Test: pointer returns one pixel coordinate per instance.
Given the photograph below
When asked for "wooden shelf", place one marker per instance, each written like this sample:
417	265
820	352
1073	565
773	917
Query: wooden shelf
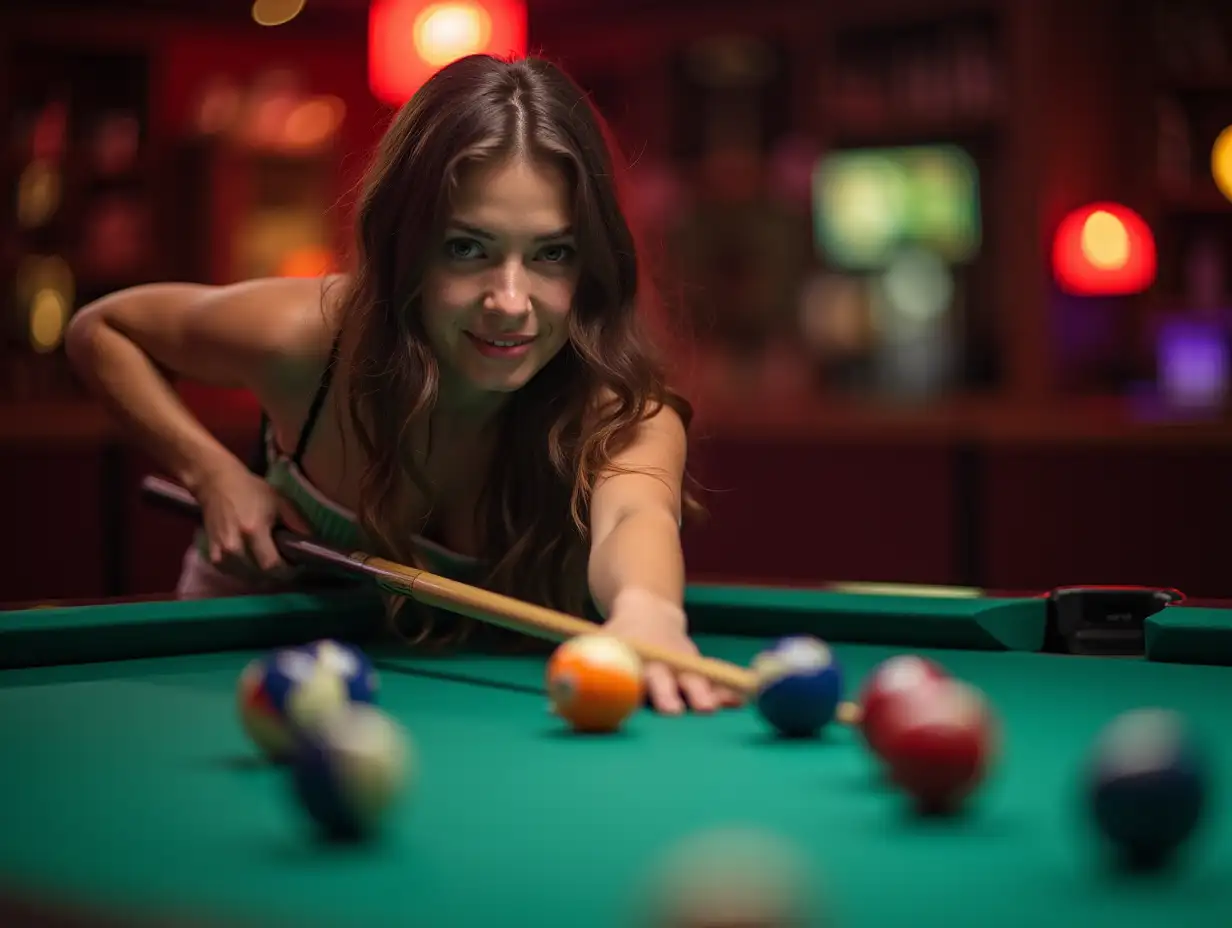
756	418
982	420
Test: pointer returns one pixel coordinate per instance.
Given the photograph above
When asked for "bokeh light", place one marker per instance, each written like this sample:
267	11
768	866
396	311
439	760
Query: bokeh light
276	12
1103	249
868	203
445	32
1105	240
1221	162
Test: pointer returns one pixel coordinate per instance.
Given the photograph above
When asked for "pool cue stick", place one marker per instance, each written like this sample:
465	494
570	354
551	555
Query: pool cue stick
470	601
452	595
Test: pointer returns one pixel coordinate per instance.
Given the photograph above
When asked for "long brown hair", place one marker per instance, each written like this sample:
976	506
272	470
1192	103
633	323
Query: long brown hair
560	431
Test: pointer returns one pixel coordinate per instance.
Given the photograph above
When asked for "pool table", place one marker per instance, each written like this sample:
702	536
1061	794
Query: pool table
128	791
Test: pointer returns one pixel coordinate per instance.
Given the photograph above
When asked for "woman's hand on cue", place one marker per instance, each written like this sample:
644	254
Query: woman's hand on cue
239	511
639	616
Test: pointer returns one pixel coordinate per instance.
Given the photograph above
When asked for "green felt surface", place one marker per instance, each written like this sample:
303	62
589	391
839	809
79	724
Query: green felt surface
130	784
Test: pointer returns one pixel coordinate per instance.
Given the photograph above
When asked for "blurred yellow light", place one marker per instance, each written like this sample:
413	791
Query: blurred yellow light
872	201
1105	242
48	316
445	32
1221	162
276	12
38	193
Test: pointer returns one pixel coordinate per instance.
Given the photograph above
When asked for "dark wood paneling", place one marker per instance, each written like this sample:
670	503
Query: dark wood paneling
1059	515
804	512
54	536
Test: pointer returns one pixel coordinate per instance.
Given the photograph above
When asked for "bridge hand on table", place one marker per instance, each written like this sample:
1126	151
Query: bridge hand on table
658	622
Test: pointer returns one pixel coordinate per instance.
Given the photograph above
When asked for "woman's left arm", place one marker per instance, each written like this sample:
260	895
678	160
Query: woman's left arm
636	569
635	518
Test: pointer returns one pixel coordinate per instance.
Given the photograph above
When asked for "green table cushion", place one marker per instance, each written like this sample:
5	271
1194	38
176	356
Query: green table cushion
1010	624
123	630
1190	635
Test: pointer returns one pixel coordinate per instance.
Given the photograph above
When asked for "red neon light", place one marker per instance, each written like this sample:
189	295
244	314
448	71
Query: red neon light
1103	249
409	40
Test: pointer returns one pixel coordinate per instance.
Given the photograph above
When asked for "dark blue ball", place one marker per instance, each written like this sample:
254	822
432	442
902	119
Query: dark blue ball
1148	786
799	686
322	793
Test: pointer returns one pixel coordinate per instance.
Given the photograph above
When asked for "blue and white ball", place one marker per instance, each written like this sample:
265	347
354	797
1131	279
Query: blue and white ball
350	771
799	686
1148	785
291	689
351	665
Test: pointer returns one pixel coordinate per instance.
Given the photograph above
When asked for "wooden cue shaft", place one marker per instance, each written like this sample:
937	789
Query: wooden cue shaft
471	601
539	621
461	598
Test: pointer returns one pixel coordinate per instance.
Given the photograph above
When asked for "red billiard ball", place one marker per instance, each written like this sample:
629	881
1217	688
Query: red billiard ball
939	744
890	681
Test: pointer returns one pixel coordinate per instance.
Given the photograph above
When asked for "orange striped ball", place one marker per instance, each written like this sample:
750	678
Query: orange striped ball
595	683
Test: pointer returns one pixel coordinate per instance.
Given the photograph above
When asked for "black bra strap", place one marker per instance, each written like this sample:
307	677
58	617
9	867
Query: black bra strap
318	402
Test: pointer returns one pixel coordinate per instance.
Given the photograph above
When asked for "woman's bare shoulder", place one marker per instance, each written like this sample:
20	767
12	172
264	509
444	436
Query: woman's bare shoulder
310	317
312	312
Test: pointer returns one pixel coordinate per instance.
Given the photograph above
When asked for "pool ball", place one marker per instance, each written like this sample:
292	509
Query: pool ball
733	877
595	682
799	686
938	744
349	663
349	771
1147	786
292	688
893	679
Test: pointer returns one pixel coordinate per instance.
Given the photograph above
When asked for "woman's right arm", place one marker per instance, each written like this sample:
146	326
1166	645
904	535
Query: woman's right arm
240	335
223	336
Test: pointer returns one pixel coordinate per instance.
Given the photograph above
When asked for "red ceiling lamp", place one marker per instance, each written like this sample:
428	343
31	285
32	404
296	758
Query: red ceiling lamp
409	40
1103	249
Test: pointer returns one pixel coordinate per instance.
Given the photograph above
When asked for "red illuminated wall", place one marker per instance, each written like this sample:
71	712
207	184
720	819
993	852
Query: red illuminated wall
190	57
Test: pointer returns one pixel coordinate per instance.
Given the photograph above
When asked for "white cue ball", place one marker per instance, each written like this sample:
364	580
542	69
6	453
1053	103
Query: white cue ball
735	876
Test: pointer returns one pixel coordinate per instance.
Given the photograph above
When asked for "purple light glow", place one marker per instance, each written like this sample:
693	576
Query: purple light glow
1194	363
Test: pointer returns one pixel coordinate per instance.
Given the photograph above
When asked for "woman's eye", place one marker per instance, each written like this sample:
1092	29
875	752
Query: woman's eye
463	249
557	254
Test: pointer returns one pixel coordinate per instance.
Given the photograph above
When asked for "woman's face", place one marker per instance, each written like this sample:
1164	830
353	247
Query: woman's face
500	286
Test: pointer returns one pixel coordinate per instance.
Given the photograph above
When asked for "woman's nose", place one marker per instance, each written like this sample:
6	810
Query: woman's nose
510	292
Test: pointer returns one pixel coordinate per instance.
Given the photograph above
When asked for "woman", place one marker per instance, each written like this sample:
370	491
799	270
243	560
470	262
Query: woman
475	397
